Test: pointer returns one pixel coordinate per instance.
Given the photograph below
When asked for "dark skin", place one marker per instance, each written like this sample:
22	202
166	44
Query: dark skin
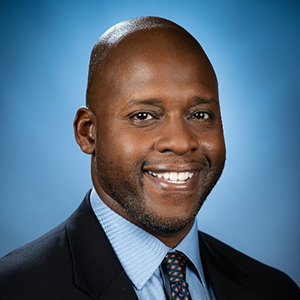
154	132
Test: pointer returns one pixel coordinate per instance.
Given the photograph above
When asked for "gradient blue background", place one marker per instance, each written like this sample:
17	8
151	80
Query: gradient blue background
254	47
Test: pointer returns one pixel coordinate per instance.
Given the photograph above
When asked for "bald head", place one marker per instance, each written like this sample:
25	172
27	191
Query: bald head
129	40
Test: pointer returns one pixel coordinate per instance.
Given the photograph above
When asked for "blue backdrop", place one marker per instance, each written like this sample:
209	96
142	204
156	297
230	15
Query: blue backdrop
254	47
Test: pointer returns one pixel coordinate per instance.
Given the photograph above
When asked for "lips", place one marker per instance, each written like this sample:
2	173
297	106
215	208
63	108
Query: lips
173	177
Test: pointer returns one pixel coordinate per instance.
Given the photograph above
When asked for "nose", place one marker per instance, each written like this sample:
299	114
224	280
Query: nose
176	136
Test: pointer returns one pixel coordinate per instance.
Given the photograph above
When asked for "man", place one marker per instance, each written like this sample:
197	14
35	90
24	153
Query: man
153	128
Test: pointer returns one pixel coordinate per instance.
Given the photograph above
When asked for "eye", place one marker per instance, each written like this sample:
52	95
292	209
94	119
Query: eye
201	115
143	116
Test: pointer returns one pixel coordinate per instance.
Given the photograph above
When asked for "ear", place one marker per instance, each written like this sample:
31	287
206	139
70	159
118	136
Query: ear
85	130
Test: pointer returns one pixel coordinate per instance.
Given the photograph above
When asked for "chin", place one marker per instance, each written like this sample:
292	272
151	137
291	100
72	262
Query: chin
169	228
165	225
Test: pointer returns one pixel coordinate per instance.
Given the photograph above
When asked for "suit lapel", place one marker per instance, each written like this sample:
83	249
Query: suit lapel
97	269
224	275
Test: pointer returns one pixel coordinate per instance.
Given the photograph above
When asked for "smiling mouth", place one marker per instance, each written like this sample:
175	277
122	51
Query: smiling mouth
173	177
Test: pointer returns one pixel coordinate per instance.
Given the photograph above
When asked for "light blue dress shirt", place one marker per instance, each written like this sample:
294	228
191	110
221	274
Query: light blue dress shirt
141	254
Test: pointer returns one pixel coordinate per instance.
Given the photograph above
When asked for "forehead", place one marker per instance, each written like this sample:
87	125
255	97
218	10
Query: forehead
158	44
156	59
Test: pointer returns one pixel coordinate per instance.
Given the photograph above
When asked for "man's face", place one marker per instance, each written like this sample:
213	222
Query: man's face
159	142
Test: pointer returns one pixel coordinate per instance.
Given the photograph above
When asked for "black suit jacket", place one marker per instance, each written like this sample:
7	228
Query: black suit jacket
76	261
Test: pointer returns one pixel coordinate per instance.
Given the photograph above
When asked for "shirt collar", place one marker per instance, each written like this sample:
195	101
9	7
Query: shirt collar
190	247
135	247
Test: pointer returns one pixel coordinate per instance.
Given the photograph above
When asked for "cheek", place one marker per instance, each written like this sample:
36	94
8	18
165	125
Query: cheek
214	148
129	146
123	146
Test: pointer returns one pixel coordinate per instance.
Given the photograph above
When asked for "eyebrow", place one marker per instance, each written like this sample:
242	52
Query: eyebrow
199	100
151	101
155	101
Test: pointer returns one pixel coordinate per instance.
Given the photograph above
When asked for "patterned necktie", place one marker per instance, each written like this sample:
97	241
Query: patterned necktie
176	267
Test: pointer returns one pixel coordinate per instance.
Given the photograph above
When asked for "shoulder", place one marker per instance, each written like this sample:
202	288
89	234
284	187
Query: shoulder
257	275
37	255
41	269
47	253
52	266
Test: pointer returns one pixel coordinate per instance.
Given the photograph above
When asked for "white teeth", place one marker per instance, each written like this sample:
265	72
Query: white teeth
166	175
174	177
182	176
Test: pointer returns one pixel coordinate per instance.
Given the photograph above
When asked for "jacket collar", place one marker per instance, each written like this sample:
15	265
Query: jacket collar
226	277
97	270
